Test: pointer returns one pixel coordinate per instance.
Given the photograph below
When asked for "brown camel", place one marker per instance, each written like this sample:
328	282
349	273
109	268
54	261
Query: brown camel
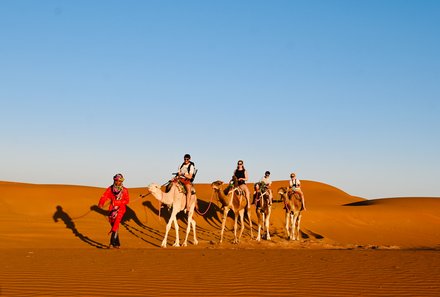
293	206
263	209
231	198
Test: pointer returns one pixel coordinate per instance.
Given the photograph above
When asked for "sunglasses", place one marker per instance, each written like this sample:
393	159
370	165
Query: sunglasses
186	159
239	164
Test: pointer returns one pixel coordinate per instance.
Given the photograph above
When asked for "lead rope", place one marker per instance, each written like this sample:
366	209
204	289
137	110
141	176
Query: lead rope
209	205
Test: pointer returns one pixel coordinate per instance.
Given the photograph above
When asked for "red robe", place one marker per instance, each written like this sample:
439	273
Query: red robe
116	208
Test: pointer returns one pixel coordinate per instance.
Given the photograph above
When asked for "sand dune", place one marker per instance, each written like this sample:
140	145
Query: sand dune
54	239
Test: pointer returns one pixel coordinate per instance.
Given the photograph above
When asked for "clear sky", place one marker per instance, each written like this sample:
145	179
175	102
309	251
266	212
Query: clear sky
341	92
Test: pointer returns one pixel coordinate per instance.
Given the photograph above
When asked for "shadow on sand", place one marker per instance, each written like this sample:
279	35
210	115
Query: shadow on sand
139	229
60	214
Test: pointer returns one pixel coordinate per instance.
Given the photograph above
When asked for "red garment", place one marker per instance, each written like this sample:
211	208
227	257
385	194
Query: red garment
116	208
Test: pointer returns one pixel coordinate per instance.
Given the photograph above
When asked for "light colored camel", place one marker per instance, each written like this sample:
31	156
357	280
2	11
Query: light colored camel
263	209
234	200
293	206
177	199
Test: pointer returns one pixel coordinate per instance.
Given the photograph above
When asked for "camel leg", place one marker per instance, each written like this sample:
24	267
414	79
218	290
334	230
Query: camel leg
188	227
235	228
259	227
250	221
292	227
267	225
241	212
193	222
196	242
287	225
297	224
176	227
225	216
167	229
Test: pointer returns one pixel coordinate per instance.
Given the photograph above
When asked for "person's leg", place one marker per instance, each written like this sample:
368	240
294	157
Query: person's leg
302	198
248	195
117	243
113	237
188	196
270	196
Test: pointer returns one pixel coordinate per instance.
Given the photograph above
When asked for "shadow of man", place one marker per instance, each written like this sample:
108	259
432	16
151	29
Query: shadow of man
130	216
62	215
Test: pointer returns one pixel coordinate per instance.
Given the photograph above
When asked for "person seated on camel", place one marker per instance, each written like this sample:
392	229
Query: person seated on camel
241	175
263	185
295	186
185	175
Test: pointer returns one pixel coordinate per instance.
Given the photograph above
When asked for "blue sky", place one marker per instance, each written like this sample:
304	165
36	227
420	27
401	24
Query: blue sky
341	92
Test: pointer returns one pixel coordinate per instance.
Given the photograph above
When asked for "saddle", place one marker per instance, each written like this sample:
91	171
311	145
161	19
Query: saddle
180	186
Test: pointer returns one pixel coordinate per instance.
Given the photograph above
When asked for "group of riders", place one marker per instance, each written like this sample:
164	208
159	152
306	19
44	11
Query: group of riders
119	197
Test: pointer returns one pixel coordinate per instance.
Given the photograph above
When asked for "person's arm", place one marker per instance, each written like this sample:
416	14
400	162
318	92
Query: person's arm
245	175
127	196
104	197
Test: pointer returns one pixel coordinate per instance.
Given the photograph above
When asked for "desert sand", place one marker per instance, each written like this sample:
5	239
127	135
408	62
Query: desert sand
53	242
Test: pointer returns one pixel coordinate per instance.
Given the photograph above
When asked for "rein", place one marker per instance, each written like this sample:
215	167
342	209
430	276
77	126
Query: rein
209	206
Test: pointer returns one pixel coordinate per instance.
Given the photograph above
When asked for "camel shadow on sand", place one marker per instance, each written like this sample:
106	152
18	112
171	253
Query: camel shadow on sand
60	214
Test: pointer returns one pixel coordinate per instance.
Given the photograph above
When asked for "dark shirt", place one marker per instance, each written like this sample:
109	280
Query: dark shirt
240	174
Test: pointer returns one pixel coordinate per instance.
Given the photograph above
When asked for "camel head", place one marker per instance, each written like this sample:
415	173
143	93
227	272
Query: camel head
216	185
283	192
154	189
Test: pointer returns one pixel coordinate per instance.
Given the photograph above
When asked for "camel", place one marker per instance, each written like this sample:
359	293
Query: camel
263	209
231	199
176	198
293	206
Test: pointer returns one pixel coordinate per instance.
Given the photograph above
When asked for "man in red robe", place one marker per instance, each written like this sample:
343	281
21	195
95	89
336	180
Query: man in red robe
119	198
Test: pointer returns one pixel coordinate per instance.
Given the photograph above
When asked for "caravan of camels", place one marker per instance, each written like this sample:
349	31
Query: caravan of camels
231	196
180	195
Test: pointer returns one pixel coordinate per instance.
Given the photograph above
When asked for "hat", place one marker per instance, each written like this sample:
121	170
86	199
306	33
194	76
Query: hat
118	177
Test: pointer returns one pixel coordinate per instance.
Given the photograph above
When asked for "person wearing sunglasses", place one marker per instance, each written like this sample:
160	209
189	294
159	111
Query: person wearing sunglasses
186	174
242	176
119	198
295	186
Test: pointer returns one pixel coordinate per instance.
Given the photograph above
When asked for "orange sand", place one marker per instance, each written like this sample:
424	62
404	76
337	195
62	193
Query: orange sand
52	243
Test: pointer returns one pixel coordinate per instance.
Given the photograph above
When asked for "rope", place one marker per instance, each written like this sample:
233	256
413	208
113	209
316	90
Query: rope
77	218
209	206
88	212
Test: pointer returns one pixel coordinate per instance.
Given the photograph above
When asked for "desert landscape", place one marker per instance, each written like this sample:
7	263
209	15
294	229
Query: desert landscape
54	242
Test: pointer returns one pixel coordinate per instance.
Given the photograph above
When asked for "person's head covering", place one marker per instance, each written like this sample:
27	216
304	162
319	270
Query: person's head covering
118	177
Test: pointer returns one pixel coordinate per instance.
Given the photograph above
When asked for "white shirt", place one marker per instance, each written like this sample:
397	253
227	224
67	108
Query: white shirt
184	169
266	180
294	183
